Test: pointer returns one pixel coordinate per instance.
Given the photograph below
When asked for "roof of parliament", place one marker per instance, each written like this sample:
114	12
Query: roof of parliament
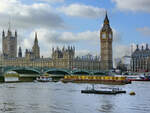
141	52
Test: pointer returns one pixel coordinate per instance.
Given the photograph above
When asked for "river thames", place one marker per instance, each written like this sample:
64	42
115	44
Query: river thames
58	97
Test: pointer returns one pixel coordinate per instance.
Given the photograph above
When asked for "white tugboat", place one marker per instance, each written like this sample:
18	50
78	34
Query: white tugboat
44	79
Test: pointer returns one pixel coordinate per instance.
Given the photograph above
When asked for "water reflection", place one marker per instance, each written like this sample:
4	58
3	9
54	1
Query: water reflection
7	107
66	98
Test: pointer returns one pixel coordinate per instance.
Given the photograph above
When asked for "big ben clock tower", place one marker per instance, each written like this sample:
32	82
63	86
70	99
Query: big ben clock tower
106	38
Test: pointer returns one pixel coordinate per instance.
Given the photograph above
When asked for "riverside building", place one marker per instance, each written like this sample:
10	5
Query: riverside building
140	59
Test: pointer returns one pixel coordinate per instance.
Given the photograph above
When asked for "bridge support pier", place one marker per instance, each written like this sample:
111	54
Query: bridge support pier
1	78
27	79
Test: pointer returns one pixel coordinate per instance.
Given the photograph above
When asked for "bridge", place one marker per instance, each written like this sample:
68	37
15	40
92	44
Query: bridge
37	71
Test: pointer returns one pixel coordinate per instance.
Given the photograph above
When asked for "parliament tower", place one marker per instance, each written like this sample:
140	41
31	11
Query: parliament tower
106	38
9	44
36	48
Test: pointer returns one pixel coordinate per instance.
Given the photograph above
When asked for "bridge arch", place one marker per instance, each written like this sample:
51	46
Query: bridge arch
22	70
99	73
79	72
58	71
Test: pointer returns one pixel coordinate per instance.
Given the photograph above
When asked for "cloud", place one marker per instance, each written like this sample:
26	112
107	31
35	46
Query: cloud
121	50
52	1
116	36
81	53
51	38
133	5
84	11
29	16
144	31
83	41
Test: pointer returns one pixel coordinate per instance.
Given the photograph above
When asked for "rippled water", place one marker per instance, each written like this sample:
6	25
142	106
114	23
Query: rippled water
66	98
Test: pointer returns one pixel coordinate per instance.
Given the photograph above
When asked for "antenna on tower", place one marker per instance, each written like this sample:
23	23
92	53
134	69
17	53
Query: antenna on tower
105	12
9	24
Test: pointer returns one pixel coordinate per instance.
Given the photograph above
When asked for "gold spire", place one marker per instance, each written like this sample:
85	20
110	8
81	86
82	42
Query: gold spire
106	20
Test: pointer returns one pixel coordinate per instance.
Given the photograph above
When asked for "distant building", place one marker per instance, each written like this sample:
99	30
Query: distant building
123	63
140	59
116	61
126	61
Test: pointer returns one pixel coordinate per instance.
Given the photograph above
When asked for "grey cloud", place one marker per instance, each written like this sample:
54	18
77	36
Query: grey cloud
31	16
38	19
84	11
133	5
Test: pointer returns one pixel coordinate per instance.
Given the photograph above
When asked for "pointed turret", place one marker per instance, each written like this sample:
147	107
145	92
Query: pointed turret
137	46
9	32
9	28
15	33
26	51
147	47
36	48
106	27
142	47
106	20
20	52
3	34
36	40
52	49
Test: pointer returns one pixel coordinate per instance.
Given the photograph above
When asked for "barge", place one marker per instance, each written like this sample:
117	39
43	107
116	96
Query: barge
116	80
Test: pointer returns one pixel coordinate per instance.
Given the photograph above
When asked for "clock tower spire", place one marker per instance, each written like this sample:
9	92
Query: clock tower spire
106	38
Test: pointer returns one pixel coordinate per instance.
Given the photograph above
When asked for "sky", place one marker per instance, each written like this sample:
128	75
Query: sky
77	23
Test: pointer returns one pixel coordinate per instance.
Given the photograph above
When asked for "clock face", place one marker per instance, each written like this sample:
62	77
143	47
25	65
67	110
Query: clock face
103	35
110	35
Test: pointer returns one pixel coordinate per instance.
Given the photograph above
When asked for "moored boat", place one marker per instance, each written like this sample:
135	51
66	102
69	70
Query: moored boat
103	91
43	79
138	78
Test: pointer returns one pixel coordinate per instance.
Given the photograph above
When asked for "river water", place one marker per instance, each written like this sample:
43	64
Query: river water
66	98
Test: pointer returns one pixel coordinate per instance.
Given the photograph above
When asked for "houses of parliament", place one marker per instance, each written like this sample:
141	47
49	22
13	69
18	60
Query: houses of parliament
60	58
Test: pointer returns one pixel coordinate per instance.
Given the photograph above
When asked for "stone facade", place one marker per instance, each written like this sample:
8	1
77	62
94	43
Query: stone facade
106	38
140	59
61	58
9	44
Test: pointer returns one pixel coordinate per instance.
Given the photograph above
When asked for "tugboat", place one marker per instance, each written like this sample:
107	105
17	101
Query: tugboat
138	78
43	79
106	91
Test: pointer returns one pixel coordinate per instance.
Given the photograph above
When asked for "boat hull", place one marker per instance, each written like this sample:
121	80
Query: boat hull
114	82
101	92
